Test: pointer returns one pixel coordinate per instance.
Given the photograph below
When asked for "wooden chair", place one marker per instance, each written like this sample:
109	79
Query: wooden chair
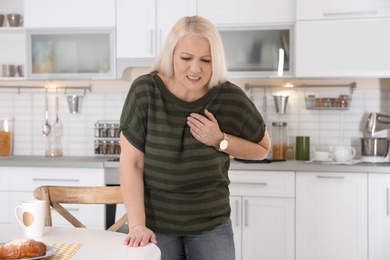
54	195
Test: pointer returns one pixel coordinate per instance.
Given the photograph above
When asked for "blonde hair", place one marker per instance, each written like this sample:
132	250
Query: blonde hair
198	26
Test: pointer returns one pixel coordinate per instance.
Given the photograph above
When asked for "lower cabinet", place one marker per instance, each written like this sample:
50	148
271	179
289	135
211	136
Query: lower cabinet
18	183
379	216
331	216
263	214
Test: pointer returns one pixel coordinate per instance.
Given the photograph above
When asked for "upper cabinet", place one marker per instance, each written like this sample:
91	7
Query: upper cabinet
142	27
342	9
71	53
343	48
258	51
234	12
69	14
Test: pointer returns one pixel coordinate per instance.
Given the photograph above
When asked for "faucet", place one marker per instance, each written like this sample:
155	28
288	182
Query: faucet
377	122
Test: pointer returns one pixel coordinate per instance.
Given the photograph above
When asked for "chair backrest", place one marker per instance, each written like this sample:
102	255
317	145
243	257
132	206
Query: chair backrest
56	195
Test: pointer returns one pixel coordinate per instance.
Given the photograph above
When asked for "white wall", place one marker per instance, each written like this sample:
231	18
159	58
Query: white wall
324	127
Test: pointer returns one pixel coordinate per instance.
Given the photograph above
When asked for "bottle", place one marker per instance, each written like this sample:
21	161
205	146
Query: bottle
279	140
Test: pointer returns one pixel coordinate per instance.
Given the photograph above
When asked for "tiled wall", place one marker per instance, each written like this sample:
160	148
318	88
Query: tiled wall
325	128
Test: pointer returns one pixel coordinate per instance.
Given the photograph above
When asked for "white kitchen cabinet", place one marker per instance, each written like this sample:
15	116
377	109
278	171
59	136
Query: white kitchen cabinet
18	183
69	14
263	214
379	216
331	216
343	48
234	12
341	9
142	27
75	53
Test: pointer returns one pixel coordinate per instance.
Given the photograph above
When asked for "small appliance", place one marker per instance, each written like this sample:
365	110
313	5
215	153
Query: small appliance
376	147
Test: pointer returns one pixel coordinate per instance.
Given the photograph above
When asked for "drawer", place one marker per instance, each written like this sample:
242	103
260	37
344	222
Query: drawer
262	183
27	179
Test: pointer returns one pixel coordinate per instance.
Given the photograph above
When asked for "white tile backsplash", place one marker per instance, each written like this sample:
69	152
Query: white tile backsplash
325	127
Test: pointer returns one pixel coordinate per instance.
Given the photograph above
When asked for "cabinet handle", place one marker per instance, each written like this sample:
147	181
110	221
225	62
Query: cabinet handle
43	179
370	12
256	183
151	41
246	213
330	177
160	41
237	214
387	202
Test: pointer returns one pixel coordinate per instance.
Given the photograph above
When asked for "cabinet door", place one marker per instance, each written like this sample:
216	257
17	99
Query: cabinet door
143	26
342	48
136	23
232	12
331	216
70	13
268	228
168	13
345	9
379	216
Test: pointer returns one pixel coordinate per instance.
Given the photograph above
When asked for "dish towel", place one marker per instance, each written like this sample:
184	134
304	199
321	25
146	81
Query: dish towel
65	251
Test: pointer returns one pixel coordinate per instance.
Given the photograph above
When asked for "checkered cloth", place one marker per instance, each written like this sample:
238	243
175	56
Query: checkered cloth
65	251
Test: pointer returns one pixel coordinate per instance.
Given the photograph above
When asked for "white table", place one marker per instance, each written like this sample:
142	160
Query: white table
96	244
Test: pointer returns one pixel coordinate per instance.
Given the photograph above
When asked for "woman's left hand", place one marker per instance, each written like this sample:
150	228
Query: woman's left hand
205	129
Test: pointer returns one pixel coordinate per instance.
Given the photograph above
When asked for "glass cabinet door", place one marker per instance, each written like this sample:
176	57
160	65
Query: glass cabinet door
70	54
254	52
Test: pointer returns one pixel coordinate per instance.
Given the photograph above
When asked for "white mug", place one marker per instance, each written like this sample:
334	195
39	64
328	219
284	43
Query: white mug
323	156
31	216
343	153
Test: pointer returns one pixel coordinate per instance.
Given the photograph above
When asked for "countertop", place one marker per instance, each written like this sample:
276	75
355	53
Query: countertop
104	162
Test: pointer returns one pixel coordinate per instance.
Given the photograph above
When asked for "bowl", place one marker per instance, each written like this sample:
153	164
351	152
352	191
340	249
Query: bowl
375	146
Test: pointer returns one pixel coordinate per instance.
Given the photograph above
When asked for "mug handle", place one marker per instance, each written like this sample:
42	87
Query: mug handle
17	215
331	156
21	20
353	152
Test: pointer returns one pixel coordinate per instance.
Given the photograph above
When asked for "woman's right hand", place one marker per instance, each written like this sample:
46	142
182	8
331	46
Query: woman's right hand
139	236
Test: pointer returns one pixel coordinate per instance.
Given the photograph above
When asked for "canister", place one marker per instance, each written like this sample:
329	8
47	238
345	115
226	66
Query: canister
6	136
279	140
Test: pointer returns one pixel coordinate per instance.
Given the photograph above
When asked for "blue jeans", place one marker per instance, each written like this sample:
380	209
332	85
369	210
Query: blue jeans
216	244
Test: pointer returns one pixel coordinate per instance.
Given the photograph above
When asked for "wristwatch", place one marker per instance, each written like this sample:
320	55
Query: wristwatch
223	145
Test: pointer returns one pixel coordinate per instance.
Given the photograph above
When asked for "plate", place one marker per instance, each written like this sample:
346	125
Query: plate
50	251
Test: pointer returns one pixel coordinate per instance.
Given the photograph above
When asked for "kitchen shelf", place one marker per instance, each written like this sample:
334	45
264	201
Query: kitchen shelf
328	103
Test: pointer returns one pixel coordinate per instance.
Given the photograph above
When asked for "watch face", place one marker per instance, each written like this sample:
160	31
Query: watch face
223	145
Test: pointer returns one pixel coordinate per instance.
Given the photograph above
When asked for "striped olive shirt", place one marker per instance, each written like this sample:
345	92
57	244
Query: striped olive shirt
186	182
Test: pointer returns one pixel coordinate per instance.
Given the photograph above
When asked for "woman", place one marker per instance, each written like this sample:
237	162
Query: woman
179	125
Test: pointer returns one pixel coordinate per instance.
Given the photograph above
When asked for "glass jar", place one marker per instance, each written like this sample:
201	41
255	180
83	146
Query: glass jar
344	101
53	147
310	101
290	155
279	140
6	136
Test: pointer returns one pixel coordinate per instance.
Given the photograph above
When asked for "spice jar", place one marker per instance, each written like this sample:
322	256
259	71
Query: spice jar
279	136
344	101
310	101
